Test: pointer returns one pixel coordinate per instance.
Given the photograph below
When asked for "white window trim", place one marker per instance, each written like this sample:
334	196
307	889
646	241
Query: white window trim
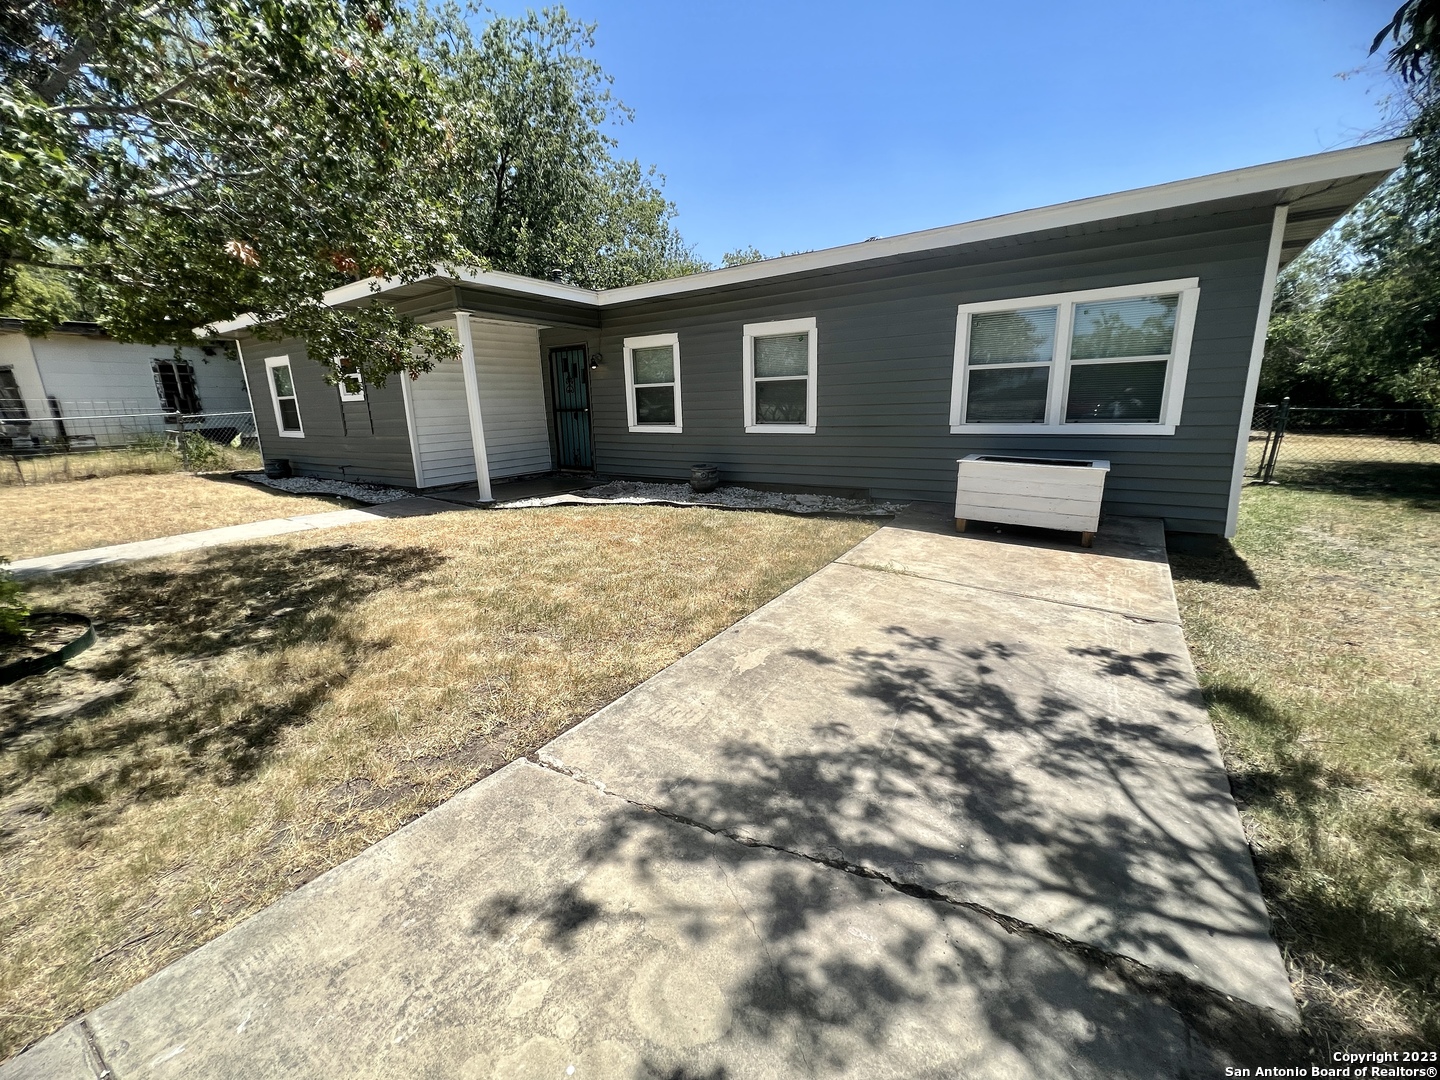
1188	289
769	329
654	341
343	380
271	363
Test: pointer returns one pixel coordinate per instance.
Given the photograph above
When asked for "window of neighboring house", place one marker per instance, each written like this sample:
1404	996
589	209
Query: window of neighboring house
282	393
12	402
652	382
352	387
175	383
1108	361
780	362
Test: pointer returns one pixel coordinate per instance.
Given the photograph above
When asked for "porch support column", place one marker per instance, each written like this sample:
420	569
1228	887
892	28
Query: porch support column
1257	356
472	401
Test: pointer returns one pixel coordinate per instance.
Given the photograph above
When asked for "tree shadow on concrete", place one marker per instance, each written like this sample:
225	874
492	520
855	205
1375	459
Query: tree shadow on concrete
164	699
1046	837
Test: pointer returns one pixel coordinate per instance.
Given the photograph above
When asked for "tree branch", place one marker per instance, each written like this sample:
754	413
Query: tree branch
83	47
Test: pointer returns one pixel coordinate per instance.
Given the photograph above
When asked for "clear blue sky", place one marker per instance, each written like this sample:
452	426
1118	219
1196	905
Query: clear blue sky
793	126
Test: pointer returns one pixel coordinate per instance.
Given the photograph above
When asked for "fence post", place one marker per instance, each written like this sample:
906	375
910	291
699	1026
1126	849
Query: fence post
1282	416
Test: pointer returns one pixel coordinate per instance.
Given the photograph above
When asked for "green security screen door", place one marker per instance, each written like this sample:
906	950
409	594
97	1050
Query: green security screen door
570	378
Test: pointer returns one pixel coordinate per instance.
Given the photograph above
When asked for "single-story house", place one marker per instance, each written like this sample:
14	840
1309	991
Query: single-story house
1128	327
80	384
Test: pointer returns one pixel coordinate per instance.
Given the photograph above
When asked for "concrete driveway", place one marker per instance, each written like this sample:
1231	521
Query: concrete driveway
951	807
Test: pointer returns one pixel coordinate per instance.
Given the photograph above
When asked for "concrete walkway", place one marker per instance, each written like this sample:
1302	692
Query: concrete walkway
949	808
230	534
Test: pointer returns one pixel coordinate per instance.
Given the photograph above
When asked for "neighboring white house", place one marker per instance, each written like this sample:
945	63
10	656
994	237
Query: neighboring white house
79	383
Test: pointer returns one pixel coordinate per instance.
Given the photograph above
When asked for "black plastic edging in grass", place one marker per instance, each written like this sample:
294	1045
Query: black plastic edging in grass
38	665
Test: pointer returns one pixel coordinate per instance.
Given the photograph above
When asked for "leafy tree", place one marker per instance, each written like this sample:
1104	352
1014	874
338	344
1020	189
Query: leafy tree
1357	317
1415	29
206	159
43	298
751	254
741	256
527	155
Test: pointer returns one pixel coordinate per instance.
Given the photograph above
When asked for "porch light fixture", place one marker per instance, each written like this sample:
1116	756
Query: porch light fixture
595	359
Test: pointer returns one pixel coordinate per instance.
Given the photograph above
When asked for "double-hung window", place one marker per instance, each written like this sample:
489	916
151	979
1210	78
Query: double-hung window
652	383
1103	361
282	395
780	362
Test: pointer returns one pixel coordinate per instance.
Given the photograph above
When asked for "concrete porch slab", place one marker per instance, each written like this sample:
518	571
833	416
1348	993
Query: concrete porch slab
585	937
1126	571
1047	759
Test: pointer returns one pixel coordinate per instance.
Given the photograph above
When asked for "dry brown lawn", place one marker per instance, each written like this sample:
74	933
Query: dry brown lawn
44	519
254	715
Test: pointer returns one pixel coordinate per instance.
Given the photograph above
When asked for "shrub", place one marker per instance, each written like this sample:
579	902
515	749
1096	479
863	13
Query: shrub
201	455
13	609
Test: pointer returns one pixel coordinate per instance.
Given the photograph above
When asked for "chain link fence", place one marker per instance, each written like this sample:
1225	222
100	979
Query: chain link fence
1362	450
84	440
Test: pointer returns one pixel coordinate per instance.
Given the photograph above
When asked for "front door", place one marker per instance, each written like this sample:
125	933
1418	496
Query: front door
570	377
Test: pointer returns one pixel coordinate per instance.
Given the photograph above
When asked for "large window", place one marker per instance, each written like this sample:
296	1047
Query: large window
780	362
652	383
1109	361
282	394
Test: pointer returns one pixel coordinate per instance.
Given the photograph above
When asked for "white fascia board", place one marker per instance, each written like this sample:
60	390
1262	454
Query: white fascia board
487	279
1278	176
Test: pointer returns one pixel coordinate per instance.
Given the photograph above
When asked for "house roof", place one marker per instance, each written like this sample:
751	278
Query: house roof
88	329
1318	189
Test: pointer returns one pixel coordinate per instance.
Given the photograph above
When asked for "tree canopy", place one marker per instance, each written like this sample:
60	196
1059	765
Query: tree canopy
180	164
1357	317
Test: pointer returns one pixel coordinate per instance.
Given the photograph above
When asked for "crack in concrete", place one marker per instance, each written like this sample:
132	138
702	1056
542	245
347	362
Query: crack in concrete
102	1069
759	937
1239	1028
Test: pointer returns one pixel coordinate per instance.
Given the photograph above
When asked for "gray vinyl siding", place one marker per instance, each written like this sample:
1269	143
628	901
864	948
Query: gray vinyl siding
361	440
886	358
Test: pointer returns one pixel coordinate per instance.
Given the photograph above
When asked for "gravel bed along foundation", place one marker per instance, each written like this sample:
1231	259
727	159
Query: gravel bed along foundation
727	498
314	485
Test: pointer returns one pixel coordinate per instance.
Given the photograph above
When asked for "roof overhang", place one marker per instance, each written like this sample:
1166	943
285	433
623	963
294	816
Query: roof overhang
1318	190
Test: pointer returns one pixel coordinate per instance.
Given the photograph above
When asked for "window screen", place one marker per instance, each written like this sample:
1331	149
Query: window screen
655	385
1106	386
782	370
1010	357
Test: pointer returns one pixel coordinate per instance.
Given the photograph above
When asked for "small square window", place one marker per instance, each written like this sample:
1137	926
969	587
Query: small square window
351	386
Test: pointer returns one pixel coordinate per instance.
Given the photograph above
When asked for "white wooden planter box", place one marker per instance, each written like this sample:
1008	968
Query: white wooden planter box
1049	493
